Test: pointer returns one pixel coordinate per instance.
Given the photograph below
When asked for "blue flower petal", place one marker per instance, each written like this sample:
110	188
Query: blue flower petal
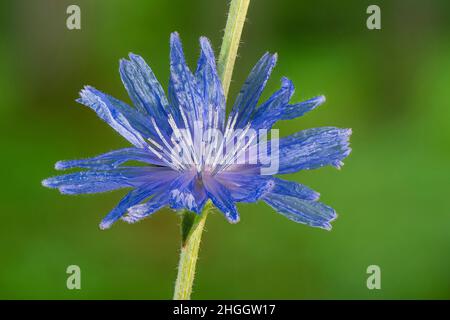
133	198
314	148
312	213
130	123
209	83
293	189
245	187
187	193
102	181
221	198
296	110
144	89
111	160
277	107
183	90
141	211
271	110
252	89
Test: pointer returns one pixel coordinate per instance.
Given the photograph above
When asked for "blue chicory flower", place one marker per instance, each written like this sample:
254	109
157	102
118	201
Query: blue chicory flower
186	179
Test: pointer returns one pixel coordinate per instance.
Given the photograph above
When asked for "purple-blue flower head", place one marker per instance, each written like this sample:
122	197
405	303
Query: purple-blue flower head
191	152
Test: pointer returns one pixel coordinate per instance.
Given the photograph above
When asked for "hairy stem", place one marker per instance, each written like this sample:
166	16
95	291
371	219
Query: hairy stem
192	225
191	234
230	42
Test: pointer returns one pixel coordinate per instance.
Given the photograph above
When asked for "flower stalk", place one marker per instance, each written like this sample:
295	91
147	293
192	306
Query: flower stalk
192	225
230	42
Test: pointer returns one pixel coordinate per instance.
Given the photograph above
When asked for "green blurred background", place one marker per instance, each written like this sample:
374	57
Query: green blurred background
391	86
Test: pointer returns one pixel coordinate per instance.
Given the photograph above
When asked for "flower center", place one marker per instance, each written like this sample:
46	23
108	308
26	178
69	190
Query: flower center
202	146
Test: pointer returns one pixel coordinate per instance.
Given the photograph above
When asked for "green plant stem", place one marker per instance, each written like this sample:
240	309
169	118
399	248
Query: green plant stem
230	42
192	225
191	233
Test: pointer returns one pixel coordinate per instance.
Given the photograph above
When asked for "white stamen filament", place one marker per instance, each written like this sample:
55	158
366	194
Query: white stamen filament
195	155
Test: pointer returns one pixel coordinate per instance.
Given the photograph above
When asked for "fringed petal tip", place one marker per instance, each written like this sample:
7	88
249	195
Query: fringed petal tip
345	143
134	57
206	47
105	225
85	92
274	58
231	218
86	96
314	196
272	62
317	101
322	99
347	132
337	164
174	35
327	225
175	41
62	165
67	164
53	183
107	222
47	183
125	64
